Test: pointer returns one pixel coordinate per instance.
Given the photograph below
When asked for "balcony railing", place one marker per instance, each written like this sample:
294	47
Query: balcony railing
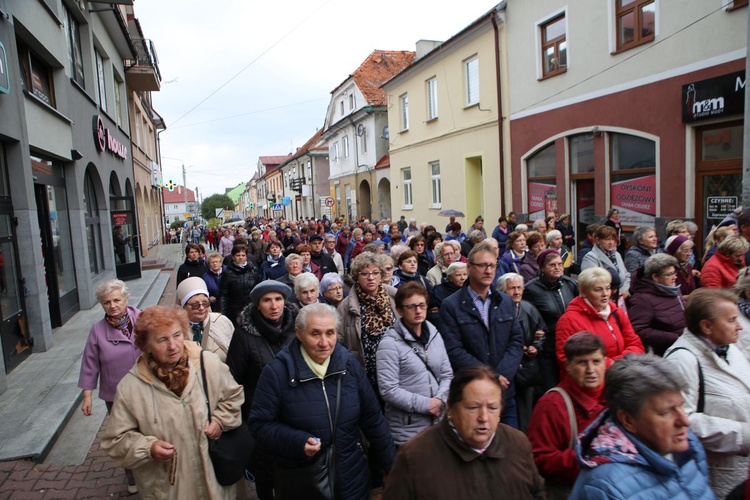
146	62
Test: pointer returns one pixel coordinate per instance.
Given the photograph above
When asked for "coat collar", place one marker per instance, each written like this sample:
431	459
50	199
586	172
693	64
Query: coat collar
114	335
297	369
464	452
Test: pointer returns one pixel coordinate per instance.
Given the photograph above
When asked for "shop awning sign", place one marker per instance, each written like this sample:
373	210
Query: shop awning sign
714	98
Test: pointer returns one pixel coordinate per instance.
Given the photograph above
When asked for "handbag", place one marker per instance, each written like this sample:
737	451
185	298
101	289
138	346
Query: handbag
314	480
231	452
528	373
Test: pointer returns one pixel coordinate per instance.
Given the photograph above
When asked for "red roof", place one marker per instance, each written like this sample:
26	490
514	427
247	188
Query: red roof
378	68
178	195
384	162
269	161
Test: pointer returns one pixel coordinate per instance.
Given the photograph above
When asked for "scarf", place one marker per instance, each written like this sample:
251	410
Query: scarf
744	306
197	332
124	324
273	331
175	378
378	315
612	257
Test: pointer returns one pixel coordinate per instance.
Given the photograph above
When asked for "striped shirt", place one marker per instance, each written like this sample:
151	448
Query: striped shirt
482	305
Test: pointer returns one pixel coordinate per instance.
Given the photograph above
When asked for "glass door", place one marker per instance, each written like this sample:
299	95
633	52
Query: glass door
125	239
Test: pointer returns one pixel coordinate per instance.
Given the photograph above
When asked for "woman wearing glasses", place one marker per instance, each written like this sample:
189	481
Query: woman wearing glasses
414	372
367	312
212	331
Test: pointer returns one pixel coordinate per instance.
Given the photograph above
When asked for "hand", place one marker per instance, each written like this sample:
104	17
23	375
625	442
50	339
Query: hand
212	430
212	299
435	408
696	273
531	352
503	382
312	446
87	404
539	334
162	451
624	295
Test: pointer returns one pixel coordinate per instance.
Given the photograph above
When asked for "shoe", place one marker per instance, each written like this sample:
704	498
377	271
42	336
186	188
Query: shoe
132	489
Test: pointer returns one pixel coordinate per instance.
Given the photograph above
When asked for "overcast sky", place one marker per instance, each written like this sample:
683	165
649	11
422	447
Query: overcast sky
276	63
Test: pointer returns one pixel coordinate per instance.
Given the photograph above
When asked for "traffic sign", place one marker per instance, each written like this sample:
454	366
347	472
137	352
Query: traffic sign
277	207
329	201
219	213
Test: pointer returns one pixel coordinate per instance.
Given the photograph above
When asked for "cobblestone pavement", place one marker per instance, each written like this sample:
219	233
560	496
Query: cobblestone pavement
97	477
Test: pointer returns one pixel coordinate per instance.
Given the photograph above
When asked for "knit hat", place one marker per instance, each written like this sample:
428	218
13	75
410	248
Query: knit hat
674	243
540	258
269	286
190	287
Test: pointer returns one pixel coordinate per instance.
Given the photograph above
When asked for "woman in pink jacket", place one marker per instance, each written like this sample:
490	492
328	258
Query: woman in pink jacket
110	350
592	311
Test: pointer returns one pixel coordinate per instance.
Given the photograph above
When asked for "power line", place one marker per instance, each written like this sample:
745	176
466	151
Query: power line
253	61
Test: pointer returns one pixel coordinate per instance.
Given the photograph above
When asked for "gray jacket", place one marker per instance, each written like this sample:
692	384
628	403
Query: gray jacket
405	383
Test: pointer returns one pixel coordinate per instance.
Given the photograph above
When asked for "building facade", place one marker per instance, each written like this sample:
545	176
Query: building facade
179	204
305	177
629	105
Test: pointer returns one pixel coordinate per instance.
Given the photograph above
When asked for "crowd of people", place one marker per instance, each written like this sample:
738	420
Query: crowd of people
398	359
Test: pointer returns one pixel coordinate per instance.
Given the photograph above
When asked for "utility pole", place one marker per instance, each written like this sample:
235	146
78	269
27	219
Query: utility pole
184	188
196	214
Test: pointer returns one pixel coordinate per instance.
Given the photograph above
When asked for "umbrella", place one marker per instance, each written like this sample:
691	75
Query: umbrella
451	213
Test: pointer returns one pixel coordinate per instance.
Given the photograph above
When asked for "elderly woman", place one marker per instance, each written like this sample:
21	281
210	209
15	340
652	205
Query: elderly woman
193	265
432	241
515	252
367	312
389	265
294	265
110	350
413	368
656	308
212	331
455	278
721	270
446	253
305	251
529	264
331	289
604	255
408	270
328	390
594	312
528	376
554	240
501	233
641	447
212	277
273	267
418	245
238	281
681	248
306	289
550	293
717	395
159	423
742	288
646	244
715	237
476	456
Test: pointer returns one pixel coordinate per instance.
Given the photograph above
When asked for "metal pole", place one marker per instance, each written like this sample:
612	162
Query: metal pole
184	188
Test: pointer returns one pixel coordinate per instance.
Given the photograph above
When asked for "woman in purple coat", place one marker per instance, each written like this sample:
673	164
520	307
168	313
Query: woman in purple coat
110	350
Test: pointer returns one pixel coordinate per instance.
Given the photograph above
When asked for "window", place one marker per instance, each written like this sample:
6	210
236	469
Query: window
341	106
101	87
406	182
93	227
582	154
351	102
630	152
345	146
404	100
75	58
542	181
364	139
633	178
335	152
37	75
432	103
435	183
635	22
472	80
118	101
137	129
554	47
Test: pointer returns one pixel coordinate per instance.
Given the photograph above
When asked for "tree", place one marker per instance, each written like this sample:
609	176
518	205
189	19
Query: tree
210	204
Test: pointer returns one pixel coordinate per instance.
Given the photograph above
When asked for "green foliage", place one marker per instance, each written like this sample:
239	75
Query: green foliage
211	203
214	222
177	224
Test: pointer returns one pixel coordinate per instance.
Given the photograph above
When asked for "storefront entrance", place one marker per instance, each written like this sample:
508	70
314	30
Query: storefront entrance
125	238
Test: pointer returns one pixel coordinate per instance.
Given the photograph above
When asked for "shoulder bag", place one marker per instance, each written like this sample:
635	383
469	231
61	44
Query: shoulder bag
316	479
557	491
231	452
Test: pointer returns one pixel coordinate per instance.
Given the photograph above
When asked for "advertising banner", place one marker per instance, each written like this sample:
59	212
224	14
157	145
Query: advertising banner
635	199
540	195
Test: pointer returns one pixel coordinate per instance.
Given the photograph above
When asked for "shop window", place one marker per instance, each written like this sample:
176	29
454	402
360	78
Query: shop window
75	57
635	22
471	70
542	181
723	143
37	75
633	178
554	47
93	226
582	154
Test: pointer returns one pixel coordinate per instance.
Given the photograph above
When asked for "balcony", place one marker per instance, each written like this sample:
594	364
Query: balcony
142	74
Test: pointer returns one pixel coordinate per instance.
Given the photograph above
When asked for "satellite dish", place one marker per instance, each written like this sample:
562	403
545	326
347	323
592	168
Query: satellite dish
360	130
385	132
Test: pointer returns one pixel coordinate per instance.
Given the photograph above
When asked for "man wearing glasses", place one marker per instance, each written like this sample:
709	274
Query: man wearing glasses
479	327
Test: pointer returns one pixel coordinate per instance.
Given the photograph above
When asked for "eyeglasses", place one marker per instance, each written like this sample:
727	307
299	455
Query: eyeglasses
484	267
389	268
197	305
364	274
335	288
413	307
669	275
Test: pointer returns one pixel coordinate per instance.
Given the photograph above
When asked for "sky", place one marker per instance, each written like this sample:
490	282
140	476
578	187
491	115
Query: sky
249	78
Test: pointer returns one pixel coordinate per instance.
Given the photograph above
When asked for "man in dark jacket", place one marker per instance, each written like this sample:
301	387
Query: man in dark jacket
321	258
480	327
586	247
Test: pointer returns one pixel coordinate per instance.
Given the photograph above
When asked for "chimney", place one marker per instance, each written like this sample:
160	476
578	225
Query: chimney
426	46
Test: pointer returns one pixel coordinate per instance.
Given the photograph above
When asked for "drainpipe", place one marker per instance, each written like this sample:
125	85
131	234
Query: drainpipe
499	108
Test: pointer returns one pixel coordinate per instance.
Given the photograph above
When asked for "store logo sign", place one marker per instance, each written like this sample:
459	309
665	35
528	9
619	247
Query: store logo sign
714	98
104	140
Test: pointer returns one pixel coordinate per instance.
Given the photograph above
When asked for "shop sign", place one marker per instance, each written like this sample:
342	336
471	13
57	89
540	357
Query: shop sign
635	199
718	207
105	141
540	197
714	98
4	78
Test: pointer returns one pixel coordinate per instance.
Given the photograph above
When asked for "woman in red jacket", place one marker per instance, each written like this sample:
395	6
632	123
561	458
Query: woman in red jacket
593	311
722	269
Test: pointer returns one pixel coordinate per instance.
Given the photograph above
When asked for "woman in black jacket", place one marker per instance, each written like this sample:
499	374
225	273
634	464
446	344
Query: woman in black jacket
238	281
193	265
419	245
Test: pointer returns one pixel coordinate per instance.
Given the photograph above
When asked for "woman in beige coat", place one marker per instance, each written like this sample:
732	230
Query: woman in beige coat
158	425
